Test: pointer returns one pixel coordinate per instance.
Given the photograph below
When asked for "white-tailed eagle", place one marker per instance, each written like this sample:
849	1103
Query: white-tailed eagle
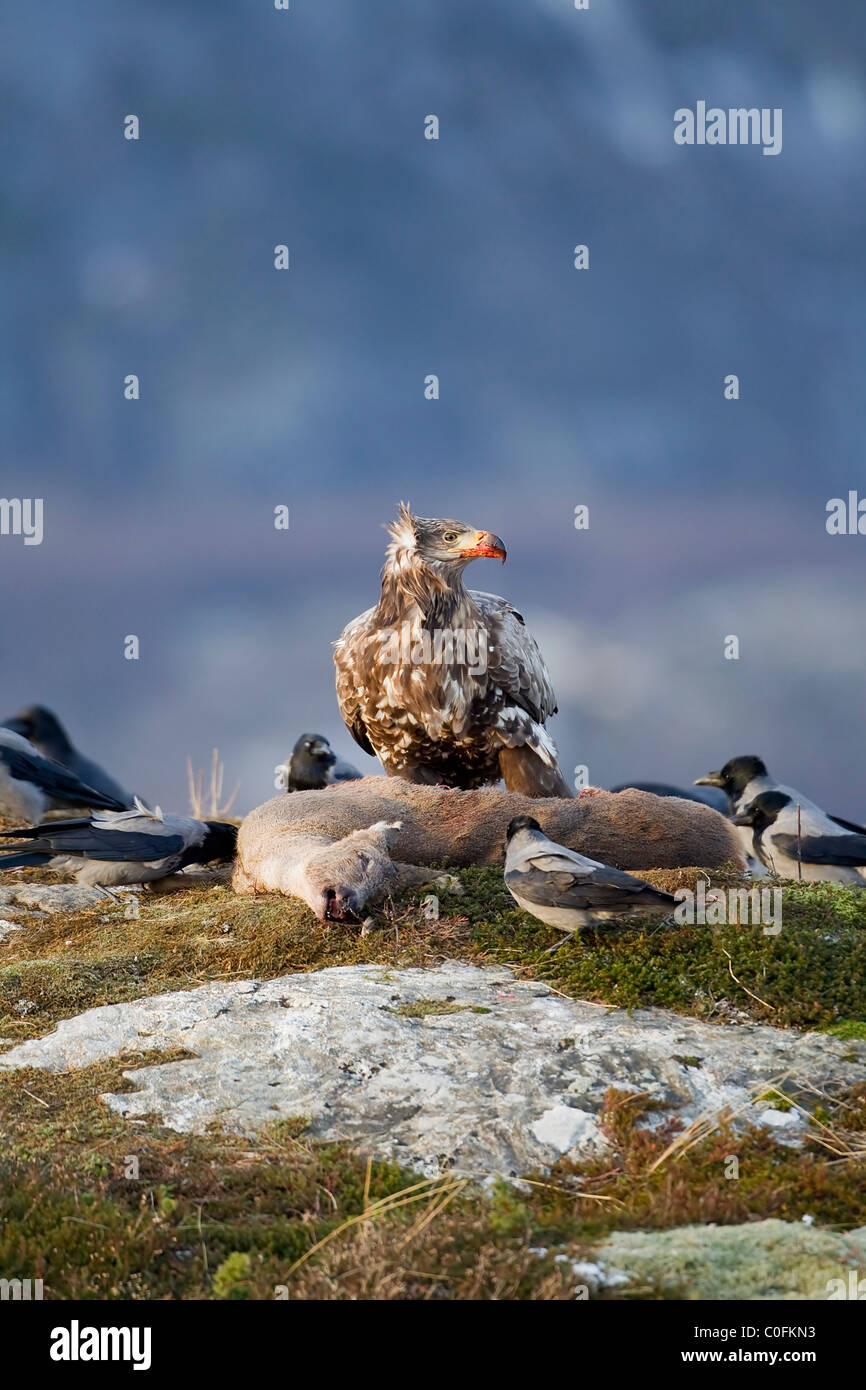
443	683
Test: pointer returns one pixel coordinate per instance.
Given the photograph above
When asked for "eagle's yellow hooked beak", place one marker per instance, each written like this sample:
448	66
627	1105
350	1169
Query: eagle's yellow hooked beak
486	546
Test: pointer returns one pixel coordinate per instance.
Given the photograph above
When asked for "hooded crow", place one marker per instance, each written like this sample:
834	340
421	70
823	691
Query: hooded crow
30	783
313	764
795	842
44	730
112	849
566	890
743	779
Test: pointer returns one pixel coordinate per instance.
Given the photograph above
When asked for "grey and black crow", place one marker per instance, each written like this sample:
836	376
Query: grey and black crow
743	779
313	764
446	684
566	890
800	841
30	784
111	849
44	730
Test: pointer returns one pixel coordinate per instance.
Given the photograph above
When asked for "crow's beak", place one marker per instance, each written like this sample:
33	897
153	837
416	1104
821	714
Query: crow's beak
486	546
317	747
742	819
712	779
17	726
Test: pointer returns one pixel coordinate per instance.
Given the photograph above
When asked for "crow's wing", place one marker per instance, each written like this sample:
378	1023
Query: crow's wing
92	775
55	780
343	772
34	832
562	890
562	884
848	825
845	851
82	839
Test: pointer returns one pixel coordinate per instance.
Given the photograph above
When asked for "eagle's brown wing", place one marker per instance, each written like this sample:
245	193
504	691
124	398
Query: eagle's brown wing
349	658
516	668
515	664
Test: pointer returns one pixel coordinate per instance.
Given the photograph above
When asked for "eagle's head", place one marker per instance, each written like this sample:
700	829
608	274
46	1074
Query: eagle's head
441	544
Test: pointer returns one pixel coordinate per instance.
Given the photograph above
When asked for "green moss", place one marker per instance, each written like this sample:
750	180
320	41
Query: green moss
849	1029
232	1279
71	962
769	1259
812	975
424	1008
774	1100
289	1128
509	1214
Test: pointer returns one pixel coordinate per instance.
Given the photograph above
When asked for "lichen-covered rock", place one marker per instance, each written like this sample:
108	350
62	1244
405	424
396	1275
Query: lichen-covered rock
49	897
762	1260
457	1067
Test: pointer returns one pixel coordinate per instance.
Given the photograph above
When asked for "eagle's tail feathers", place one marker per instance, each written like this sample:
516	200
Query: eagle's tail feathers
525	772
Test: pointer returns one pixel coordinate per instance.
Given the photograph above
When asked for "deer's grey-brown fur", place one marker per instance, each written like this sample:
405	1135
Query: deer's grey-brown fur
342	846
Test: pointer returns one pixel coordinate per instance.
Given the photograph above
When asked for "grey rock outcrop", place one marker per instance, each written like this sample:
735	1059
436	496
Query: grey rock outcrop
459	1067
49	897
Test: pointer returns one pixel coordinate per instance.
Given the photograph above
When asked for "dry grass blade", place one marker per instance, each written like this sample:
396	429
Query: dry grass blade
711	1120
845	1148
574	1191
37	1098
405	1197
195	781
757	1000
213	808
367	1177
850	1149
445	1198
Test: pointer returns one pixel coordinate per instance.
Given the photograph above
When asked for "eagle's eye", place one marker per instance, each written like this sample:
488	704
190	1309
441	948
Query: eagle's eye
449	537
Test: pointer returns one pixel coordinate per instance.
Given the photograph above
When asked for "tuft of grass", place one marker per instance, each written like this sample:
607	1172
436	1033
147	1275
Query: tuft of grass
211	807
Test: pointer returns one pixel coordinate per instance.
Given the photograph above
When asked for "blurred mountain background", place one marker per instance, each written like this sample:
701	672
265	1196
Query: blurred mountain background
409	257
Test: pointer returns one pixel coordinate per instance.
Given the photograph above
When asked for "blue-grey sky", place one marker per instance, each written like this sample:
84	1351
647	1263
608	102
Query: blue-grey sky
453	257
